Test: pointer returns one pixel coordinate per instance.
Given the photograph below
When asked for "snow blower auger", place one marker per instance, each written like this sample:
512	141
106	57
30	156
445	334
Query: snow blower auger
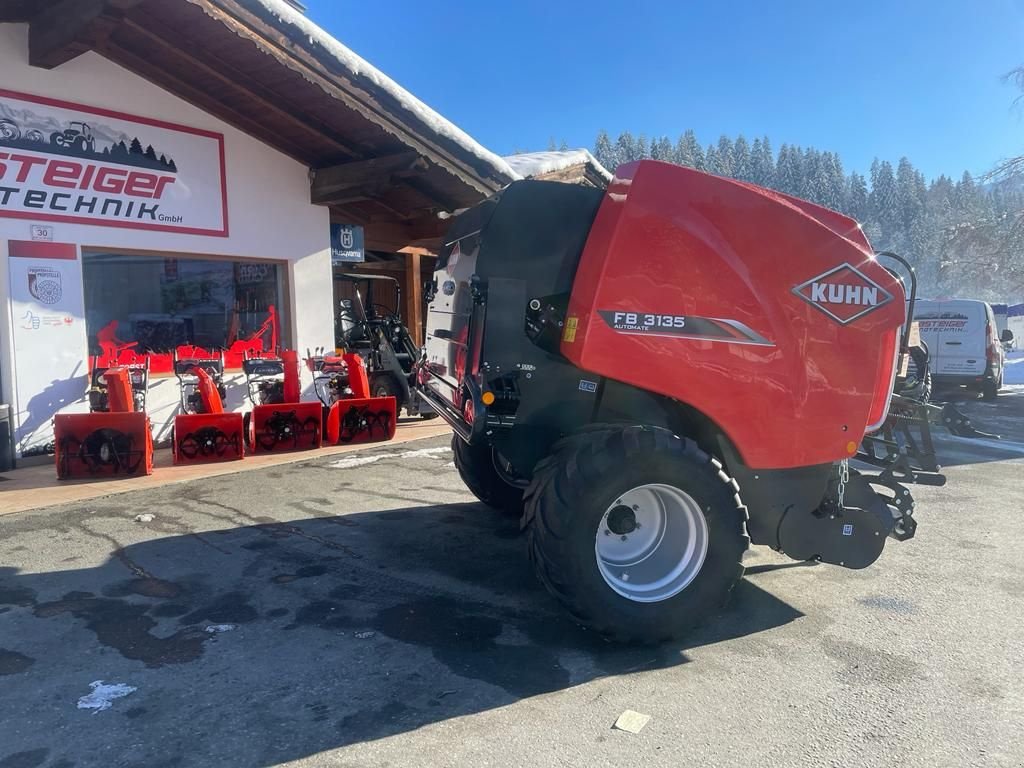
902	446
657	375
113	439
203	432
350	414
278	421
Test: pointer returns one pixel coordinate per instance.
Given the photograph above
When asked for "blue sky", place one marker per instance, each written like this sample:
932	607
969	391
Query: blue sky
869	78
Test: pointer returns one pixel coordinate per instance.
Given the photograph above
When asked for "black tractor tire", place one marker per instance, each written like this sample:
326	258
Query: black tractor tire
922	389
475	464
565	507
384	385
989	390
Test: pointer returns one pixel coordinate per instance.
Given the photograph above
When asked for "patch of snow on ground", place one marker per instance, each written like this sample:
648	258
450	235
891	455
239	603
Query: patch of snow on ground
529	164
216	629
1014	371
359	67
358	461
103	695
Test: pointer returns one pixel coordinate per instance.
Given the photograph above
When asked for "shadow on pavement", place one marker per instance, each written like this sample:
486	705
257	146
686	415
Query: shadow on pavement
1003	418
268	642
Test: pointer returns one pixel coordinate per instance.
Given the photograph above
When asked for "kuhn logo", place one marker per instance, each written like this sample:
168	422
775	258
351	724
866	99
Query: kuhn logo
843	293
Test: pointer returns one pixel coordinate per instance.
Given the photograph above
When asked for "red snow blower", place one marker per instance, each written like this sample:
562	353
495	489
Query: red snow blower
203	432
278	421
350	414
114	438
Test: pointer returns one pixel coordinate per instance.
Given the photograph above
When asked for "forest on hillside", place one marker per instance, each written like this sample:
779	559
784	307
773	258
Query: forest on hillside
964	237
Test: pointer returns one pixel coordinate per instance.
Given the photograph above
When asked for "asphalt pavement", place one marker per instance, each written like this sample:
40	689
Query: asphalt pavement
363	610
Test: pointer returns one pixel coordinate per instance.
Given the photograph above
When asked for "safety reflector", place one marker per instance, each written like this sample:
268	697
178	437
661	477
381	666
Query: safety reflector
285	427
361	420
206	437
102	444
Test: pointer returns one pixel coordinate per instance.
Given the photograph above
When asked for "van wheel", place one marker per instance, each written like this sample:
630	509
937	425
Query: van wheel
989	390
475	464
637	531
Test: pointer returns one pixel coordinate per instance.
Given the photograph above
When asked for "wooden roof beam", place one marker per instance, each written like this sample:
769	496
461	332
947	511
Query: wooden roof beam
363	179
214	68
60	32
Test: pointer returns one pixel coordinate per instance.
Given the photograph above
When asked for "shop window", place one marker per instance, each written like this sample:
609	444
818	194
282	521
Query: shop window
140	307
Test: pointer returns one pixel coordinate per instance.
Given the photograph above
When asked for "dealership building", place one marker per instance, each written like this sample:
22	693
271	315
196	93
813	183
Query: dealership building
197	173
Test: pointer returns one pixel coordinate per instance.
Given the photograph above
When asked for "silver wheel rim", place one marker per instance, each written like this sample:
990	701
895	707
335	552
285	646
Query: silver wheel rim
651	543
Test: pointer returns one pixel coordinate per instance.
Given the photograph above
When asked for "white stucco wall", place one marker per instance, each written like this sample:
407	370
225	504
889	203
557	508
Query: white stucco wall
269	213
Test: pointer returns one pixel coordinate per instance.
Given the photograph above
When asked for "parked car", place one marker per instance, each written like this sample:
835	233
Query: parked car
965	346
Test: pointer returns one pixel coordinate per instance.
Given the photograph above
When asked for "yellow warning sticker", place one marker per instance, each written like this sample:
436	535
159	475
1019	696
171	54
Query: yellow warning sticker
569	334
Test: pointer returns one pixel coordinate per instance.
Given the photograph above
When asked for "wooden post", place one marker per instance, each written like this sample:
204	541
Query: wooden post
414	297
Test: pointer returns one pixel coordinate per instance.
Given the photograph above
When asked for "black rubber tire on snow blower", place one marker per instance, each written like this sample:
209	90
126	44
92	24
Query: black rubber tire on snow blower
476	468
565	505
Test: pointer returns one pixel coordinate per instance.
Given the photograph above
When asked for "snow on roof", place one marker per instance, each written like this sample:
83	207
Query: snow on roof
528	164
359	67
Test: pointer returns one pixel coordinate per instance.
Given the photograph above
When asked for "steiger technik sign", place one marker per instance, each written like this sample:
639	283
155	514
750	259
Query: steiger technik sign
68	162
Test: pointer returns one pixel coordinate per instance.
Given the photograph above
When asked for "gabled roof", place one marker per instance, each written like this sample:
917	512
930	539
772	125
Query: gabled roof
576	165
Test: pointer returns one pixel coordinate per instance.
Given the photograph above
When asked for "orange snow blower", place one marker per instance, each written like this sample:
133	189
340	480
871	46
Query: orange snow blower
115	437
278	421
350	414
203	432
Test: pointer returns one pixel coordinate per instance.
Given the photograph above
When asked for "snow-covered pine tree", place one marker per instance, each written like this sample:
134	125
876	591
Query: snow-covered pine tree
741	160
643	151
711	163
725	156
625	148
603	150
662	149
762	163
689	152
857	198
789	170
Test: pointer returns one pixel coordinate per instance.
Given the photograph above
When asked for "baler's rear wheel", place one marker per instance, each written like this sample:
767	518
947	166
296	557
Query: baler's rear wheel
476	468
637	531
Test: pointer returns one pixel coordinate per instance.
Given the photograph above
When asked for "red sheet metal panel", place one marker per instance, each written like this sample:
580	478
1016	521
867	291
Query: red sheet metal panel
200	438
361	420
119	390
102	444
285	427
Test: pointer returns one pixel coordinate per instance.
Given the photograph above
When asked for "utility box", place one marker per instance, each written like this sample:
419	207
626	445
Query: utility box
6	439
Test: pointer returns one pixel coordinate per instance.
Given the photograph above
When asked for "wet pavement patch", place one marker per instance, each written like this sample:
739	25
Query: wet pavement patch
323	614
464	639
144	587
20	596
28	759
12	662
305	572
125	627
169	610
229	608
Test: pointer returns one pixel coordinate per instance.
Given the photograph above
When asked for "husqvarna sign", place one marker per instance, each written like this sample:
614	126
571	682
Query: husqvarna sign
61	161
347	244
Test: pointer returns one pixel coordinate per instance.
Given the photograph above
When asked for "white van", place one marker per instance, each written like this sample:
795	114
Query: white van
963	344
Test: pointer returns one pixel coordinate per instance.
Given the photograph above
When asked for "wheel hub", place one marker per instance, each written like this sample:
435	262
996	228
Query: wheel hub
651	542
621	520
